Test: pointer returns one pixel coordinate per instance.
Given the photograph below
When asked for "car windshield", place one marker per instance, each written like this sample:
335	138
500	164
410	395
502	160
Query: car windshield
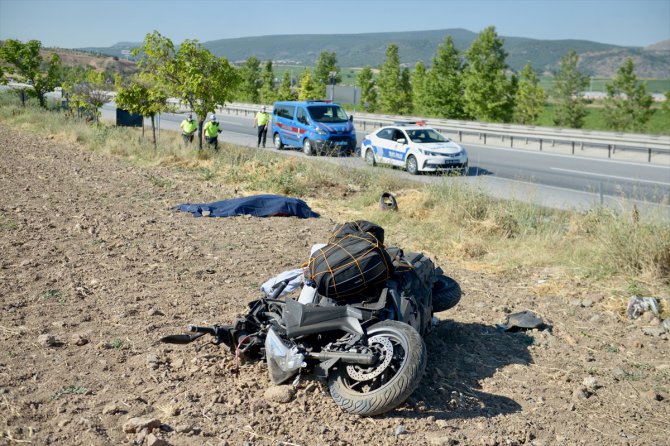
327	113
426	136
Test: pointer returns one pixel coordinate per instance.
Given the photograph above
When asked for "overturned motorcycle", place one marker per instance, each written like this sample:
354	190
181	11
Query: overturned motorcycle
369	347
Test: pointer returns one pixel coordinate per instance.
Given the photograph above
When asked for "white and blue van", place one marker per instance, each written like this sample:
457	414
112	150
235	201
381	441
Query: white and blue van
319	127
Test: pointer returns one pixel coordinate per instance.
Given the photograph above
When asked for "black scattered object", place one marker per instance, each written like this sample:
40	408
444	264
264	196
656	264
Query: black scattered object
525	320
387	202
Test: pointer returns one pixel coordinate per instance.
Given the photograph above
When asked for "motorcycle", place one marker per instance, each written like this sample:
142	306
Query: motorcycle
370	348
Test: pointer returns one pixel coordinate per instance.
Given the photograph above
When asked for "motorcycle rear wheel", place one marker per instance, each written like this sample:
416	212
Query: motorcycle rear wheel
380	388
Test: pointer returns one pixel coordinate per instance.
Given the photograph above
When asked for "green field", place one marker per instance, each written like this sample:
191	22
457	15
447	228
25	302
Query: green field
348	74
598	84
595	119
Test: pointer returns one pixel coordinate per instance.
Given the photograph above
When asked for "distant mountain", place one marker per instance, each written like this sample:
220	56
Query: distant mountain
358	50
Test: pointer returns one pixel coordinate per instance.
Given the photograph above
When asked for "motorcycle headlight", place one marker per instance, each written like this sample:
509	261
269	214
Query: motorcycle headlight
283	361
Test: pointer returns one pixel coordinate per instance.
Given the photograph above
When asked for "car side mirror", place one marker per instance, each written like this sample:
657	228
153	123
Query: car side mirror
401	140
351	118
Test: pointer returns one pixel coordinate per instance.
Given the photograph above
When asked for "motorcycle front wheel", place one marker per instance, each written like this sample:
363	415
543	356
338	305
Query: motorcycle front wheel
379	388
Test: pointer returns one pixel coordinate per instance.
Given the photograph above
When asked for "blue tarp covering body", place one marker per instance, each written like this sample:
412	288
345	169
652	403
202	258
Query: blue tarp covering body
256	205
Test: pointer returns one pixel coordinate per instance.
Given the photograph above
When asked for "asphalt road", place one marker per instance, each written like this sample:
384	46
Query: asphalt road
551	179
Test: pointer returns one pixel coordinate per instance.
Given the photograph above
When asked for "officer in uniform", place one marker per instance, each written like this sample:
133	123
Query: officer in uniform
211	132
261	121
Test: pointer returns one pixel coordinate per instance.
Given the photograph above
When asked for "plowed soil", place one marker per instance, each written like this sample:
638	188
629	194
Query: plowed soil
95	267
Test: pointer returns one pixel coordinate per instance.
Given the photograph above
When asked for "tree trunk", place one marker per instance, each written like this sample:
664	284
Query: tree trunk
153	130
200	126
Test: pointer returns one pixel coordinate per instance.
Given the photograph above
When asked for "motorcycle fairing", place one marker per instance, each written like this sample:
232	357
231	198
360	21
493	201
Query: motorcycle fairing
309	319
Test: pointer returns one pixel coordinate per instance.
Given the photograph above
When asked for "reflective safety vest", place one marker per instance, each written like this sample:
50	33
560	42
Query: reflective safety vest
189	126
262	118
211	129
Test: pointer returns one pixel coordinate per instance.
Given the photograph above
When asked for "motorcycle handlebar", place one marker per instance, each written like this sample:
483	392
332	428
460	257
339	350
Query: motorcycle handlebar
199	329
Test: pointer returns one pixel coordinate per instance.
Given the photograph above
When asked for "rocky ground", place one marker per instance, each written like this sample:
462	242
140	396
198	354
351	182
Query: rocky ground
95	267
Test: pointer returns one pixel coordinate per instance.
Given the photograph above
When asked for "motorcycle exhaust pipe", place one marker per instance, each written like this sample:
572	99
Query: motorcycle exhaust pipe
347	357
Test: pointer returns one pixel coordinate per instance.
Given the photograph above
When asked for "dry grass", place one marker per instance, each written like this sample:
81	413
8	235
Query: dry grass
448	221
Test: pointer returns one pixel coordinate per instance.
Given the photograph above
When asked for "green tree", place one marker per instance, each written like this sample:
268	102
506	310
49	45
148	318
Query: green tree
368	89
191	74
250	76
119	81
419	92
25	60
90	93
406	105
488	93
267	92
147	100
308	88
391	96
530	97
628	105
444	86
285	92
666	103
568	85
325	65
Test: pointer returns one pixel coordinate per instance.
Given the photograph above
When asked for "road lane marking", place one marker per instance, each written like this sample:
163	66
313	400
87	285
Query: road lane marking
567	156
581	172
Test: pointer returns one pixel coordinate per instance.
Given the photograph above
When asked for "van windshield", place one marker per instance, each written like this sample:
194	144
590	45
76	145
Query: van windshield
327	113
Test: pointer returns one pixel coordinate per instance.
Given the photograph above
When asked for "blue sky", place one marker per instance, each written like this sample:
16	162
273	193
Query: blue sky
81	23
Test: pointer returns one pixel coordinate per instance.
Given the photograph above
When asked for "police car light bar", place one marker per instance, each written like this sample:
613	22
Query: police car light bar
422	123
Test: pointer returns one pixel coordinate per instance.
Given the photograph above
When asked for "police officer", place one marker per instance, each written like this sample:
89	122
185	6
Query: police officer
261	121
211	132
188	128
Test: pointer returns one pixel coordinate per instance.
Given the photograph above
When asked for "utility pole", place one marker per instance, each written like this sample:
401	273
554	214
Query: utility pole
333	76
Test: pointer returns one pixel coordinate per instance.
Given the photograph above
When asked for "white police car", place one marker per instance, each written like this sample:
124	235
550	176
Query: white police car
415	147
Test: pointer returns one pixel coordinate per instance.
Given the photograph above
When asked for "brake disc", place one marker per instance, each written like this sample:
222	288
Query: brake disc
384	348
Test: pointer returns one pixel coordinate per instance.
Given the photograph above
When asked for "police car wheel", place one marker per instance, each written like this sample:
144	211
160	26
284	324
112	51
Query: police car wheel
307	147
370	157
412	165
277	142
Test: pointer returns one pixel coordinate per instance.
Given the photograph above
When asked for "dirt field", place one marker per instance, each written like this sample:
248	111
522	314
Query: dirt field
92	256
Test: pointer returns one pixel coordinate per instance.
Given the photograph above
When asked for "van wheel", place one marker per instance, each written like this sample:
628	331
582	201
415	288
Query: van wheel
370	157
412	165
277	141
307	147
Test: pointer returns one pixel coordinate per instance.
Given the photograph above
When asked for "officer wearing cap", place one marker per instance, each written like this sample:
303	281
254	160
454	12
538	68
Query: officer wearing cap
211	132
188	127
261	121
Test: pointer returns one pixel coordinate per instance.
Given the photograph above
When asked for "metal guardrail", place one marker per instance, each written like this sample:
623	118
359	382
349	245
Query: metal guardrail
612	141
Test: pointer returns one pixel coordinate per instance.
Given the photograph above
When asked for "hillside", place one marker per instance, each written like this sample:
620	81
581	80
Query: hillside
357	50
109	63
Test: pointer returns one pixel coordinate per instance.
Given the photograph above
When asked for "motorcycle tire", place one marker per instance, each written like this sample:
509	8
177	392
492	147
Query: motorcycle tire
380	388
446	293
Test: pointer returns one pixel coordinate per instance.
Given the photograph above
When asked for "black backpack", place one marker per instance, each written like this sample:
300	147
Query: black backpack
353	262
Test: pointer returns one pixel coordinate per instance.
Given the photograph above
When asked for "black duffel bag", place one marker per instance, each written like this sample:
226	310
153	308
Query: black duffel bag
352	263
354	227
